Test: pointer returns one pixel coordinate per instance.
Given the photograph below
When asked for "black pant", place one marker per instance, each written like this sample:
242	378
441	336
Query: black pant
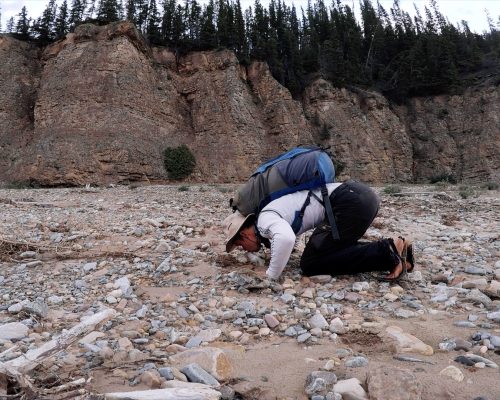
354	206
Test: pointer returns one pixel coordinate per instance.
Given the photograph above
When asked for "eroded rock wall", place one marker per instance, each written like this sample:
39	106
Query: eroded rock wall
364	133
455	136
19	72
101	105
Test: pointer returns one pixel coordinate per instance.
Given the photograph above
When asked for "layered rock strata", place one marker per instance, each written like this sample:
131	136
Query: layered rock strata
101	105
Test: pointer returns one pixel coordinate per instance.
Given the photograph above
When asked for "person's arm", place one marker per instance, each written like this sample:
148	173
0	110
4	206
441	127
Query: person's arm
275	228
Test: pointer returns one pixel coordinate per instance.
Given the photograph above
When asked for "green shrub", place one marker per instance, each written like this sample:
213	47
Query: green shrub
466	191
441	185
392	189
20	185
443	178
490	186
179	162
183	188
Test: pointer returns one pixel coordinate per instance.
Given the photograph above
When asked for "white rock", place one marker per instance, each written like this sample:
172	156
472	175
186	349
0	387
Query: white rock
318	321
235	334
54	300
337	326
453	372
116	293
91	266
350	387
15	308
209	335
13	331
123	283
390	297
360	286
264	331
316	332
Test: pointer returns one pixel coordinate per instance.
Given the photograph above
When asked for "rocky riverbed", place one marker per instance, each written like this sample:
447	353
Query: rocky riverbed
188	312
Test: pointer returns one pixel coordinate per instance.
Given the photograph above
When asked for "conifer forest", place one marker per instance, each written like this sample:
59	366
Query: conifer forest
382	49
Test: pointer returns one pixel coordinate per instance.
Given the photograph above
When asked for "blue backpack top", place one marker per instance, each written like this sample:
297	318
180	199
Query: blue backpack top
302	168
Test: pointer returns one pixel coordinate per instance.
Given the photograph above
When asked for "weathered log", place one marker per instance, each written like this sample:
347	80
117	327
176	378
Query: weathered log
184	393
29	361
67	386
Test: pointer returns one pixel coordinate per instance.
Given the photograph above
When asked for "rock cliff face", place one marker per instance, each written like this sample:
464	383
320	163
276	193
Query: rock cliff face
101	105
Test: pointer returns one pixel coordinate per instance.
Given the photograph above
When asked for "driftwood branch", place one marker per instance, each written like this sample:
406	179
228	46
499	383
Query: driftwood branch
184	393
18	368
32	358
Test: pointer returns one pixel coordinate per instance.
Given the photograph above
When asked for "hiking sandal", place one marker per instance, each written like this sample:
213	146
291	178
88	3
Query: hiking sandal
403	257
410	255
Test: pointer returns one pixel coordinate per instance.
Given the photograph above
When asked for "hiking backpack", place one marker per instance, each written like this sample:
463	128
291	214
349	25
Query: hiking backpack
302	168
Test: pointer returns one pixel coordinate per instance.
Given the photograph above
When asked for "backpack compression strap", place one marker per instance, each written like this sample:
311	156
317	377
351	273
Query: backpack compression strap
329	213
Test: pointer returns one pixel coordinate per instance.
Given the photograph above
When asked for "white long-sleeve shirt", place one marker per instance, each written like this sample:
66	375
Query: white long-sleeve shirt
275	220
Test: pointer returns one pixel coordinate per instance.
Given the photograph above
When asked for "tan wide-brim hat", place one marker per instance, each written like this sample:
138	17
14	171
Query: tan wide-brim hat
232	226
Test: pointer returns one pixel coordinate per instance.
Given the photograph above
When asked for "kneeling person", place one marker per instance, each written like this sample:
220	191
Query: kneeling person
354	206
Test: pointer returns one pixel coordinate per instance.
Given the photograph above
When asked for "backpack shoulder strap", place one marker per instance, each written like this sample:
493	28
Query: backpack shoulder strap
329	212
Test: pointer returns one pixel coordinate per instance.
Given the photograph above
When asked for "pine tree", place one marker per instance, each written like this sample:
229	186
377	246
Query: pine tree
208	33
61	23
240	43
90	9
107	11
23	24
167	21
193	17
10	25
130	11
76	13
141	7
121	10
223	23
0	19
153	28
178	29
259	32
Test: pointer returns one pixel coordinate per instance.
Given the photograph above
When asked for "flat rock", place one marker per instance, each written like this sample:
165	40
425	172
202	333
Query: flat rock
453	372
209	335
38	308
195	373
356	362
406	343
211	359
390	383
13	331
271	321
320	278
495	316
477	296
493	289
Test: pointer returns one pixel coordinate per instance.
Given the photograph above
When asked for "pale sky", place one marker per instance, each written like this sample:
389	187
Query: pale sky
473	11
